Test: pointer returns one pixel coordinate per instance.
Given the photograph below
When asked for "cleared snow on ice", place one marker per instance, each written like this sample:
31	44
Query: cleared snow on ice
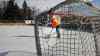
21	38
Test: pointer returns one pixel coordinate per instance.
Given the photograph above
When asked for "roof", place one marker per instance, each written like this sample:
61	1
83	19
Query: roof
78	9
54	7
82	9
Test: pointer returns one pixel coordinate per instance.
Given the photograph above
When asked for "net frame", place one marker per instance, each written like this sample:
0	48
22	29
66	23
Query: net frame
85	50
85	45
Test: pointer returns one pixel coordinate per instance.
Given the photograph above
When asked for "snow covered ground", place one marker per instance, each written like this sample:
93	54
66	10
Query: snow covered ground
21	38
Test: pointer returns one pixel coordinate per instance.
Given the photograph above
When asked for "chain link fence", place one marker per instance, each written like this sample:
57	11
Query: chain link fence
76	39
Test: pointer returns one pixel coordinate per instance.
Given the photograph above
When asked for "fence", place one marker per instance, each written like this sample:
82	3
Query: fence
77	31
76	39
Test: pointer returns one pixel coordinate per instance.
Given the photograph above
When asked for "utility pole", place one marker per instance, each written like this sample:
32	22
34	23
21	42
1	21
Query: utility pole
37	39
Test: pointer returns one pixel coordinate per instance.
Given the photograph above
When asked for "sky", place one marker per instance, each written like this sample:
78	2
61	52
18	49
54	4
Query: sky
40	4
96	3
32	2
47	4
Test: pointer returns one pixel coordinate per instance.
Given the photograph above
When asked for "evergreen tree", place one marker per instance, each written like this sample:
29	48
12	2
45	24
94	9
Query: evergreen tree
25	9
27	12
24	5
16	11
11	11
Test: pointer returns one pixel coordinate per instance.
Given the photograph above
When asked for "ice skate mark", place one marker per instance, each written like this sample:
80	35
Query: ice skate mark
24	36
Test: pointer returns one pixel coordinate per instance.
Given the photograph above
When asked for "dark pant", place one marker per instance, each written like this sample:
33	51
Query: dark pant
58	32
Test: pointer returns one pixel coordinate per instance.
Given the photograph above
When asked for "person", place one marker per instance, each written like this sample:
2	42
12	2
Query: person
55	23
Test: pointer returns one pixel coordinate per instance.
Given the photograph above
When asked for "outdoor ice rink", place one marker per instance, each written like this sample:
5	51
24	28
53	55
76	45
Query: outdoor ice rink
21	38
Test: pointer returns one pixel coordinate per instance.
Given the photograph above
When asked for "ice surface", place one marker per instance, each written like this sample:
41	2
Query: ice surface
21	38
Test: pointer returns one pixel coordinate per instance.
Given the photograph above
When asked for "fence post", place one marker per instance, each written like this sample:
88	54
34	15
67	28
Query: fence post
37	39
94	31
